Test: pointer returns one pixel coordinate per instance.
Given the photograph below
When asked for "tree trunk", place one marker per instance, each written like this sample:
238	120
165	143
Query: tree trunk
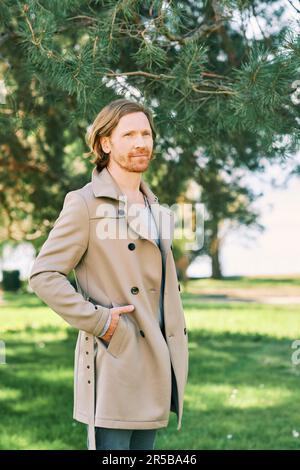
182	265
215	254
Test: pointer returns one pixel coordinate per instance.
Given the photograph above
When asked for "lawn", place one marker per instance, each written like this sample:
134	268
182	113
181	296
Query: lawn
242	391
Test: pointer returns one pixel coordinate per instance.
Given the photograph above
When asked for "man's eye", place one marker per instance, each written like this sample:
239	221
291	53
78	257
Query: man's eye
129	133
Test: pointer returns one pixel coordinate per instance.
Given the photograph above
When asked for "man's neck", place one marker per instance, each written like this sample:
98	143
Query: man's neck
128	182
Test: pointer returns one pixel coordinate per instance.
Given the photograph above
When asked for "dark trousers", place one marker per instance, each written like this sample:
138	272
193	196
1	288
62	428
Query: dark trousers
124	439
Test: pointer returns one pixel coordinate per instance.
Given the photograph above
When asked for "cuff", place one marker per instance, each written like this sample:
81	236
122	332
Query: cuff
104	316
106	326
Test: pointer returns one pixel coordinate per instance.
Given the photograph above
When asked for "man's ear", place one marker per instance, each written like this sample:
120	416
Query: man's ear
104	141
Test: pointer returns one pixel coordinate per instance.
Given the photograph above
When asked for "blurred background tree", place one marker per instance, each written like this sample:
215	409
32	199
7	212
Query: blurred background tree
221	97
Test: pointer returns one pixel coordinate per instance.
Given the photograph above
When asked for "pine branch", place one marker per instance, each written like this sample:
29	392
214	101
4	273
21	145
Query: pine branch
216	92
203	31
291	3
137	73
163	76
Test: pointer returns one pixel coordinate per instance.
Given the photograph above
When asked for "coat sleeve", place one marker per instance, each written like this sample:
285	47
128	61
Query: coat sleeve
59	255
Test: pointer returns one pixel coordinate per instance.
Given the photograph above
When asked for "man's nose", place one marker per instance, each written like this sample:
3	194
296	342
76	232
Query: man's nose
139	141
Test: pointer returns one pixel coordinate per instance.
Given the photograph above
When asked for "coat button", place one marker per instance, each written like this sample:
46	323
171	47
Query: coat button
88	367
142	333
86	352
89	381
131	246
86	338
184	331
134	290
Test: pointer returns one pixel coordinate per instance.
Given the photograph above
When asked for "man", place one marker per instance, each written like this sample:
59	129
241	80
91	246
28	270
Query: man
131	356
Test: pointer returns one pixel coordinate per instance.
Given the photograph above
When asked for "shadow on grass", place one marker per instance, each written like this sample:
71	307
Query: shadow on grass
37	392
216	302
244	391
21	300
202	299
251	355
37	388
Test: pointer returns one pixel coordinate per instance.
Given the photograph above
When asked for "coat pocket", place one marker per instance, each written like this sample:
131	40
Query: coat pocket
115	346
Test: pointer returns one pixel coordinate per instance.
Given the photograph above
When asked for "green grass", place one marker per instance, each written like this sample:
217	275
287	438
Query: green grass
242	392
246	282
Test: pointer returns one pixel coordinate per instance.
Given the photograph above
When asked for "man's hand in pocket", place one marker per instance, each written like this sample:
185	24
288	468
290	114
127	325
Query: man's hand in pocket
115	316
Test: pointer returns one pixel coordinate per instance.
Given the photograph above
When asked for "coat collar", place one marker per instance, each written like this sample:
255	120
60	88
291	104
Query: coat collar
104	185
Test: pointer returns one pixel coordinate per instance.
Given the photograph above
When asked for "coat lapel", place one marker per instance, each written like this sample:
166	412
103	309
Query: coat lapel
104	185
164	219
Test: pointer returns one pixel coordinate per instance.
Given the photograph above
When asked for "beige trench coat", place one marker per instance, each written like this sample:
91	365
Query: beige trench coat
129	383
